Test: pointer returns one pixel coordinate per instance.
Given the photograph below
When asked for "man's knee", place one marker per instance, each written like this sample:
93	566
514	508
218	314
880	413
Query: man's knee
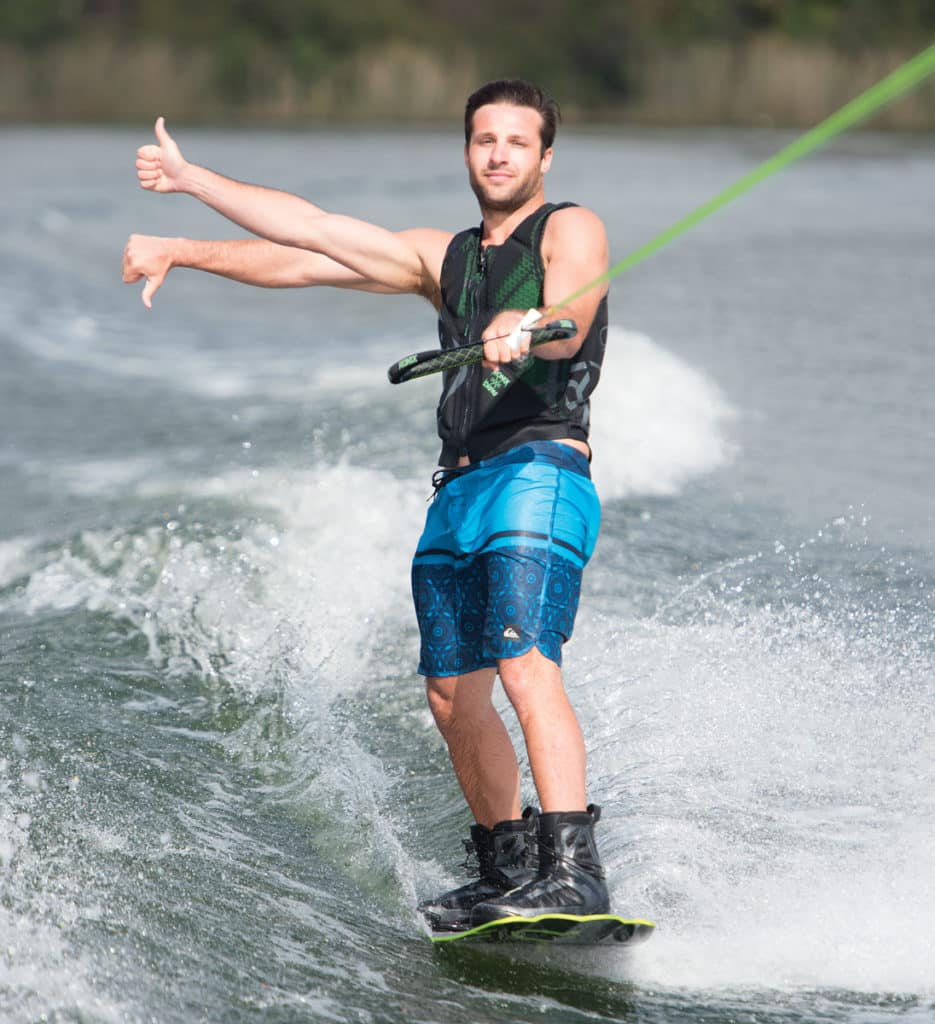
525	679
440	695
454	700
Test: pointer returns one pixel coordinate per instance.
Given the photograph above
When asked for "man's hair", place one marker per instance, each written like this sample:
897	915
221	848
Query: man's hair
519	94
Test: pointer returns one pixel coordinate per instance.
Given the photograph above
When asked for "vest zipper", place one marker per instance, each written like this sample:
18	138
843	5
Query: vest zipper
478	278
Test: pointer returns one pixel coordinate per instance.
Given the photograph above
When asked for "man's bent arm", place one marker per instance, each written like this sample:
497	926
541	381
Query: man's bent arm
576	252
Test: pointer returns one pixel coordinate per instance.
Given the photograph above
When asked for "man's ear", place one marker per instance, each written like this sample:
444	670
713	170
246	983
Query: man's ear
546	161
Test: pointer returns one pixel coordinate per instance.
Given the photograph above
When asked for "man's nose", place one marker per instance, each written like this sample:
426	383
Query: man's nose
498	153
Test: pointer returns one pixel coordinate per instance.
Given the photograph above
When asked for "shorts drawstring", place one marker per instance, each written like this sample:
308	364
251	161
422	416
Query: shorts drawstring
443	476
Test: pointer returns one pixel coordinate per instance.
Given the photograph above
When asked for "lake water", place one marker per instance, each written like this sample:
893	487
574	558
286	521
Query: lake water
221	794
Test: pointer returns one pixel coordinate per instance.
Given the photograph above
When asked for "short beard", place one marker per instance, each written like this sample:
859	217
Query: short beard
524	192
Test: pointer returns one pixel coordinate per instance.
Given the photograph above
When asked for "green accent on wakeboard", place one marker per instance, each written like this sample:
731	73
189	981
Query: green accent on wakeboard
590	929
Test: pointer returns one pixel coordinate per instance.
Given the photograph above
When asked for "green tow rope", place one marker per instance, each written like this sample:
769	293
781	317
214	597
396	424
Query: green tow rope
904	78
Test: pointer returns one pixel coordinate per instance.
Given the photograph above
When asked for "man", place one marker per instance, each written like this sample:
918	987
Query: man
496	575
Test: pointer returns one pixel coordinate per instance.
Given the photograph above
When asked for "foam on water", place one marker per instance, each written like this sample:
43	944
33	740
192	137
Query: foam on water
14	558
38	966
776	768
658	422
297	602
319	561
764	741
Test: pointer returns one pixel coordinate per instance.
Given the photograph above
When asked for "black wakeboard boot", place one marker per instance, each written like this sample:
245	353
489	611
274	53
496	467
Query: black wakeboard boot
569	879
506	858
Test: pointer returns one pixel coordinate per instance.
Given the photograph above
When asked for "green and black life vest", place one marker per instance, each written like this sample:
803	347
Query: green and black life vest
482	413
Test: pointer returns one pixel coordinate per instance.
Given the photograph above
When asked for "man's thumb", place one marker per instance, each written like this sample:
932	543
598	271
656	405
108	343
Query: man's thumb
149	289
161	134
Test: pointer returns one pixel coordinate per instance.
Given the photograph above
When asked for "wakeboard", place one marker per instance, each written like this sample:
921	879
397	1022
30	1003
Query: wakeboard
565	929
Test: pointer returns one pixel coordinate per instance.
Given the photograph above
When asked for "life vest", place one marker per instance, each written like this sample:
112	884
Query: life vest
482	413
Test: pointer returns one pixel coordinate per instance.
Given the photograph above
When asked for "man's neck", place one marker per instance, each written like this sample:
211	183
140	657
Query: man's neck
498	225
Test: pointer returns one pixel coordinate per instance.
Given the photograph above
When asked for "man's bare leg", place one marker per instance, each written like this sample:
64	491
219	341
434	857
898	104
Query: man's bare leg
553	736
479	745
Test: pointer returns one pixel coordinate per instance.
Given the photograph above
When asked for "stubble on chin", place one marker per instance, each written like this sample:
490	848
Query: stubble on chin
509	202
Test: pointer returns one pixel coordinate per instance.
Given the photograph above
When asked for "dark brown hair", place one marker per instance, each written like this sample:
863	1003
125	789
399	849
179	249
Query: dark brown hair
520	94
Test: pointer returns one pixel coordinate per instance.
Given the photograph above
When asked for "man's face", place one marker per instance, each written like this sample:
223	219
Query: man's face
504	157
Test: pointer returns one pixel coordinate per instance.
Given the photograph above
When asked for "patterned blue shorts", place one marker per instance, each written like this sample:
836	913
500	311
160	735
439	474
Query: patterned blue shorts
498	567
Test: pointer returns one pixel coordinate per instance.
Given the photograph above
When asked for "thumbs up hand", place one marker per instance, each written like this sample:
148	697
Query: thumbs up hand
159	167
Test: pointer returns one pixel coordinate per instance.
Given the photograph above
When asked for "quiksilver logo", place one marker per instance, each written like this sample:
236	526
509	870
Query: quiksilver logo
510	633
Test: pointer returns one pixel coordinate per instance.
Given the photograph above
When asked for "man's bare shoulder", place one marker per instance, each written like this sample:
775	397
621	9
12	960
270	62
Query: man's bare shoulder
574	231
575	221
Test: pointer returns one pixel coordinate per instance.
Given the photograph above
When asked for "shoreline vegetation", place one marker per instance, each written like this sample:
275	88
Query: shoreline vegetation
759	63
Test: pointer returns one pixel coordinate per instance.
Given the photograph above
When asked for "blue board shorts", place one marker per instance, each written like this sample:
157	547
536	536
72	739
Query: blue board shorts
498	567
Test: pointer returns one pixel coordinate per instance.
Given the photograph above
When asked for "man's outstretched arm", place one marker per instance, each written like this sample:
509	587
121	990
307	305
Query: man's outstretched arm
382	258
253	261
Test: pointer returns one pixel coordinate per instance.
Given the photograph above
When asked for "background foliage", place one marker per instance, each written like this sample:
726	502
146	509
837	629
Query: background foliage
593	56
